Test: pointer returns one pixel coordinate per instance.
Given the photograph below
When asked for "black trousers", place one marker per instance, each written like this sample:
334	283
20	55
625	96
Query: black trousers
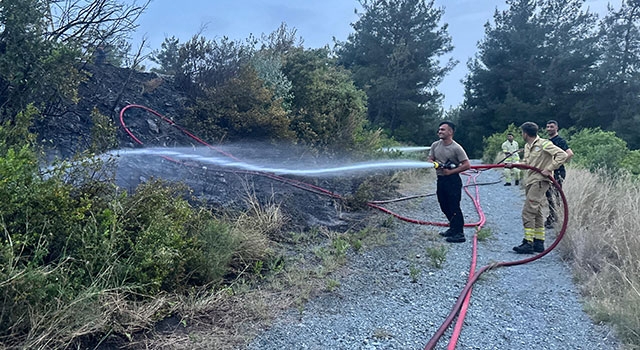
449	192
553	197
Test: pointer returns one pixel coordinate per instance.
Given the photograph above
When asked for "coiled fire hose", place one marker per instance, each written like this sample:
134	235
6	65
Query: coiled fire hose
459	309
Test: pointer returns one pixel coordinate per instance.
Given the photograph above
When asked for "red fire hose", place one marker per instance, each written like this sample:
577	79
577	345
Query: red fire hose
466	291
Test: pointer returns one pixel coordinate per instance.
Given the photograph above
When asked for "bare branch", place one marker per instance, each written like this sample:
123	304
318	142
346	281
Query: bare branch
91	22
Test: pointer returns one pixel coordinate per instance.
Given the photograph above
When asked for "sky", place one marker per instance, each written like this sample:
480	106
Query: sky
317	22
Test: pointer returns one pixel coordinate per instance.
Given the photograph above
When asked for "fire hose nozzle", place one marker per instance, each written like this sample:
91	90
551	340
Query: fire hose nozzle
447	165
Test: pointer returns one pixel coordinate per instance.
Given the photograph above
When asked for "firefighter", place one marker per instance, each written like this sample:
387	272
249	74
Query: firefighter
510	150
544	155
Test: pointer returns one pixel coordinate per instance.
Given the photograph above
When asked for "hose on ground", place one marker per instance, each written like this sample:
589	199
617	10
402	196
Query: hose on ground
460	302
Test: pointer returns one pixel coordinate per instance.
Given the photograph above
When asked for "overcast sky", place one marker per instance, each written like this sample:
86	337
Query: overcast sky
317	22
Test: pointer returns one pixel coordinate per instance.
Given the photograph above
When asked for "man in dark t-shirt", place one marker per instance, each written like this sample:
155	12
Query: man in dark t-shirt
559	174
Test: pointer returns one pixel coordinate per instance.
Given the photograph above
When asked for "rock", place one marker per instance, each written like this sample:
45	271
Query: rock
153	126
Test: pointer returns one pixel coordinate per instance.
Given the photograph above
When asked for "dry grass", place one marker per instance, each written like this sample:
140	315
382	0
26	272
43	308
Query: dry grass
94	313
603	246
253	229
408	179
228	318
213	317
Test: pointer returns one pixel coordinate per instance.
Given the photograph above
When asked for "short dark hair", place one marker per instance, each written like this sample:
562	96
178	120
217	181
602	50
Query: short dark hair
530	128
510	134
451	125
552	122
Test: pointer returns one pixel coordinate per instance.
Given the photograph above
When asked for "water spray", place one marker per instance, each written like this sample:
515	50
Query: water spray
406	149
234	163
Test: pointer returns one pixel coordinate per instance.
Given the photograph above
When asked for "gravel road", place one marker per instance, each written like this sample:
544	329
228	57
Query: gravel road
379	306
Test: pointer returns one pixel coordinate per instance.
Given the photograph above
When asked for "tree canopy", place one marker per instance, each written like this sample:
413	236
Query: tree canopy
393	56
548	59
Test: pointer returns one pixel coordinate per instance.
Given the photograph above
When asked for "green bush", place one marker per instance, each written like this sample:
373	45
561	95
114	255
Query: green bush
38	216
103	133
631	162
69	237
596	149
329	112
164	243
240	108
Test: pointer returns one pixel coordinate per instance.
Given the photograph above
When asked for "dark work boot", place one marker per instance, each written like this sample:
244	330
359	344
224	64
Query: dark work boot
456	238
525	248
446	233
508	184
549	223
517	182
538	245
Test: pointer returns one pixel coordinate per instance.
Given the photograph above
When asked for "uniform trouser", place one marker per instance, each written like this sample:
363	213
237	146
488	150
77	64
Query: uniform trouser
532	209
553	197
449	192
509	174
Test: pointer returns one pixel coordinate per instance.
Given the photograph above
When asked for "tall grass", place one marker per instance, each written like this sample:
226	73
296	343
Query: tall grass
603	245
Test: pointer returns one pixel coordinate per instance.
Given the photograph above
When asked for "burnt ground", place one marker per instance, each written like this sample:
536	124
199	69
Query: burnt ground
66	131
298	197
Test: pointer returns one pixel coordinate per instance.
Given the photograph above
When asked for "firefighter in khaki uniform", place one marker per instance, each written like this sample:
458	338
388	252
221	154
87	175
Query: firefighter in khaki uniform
510	150
544	155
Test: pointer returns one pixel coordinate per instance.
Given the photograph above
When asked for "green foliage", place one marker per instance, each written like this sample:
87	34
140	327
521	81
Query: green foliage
38	216
279	92
167	57
437	255
492	150
15	133
340	246
204	65
596	149
103	133
414	273
63	246
612	102
165	244
268	68
217	245
329	111
242	108
36	212
332	285
484	234
32	68
631	162
393	55
534	64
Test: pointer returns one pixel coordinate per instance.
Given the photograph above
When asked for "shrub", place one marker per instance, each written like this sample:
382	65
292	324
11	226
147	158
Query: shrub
596	149
103	133
329	111
631	162
241	108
